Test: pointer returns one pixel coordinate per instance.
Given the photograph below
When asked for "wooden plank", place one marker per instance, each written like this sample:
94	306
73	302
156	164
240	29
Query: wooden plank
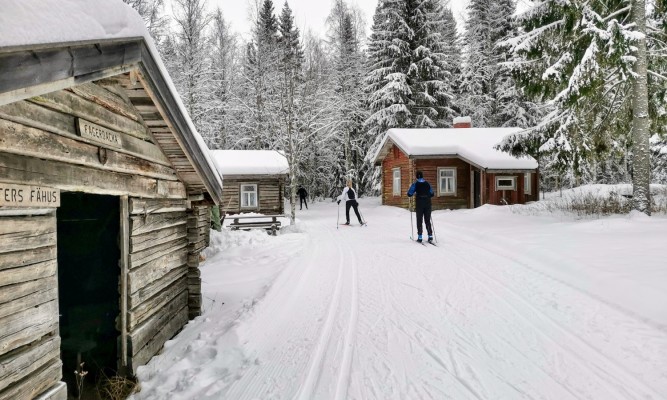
55	392
155	287
28	273
70	103
26	233
151	253
38	382
29	170
155	344
21	296
22	362
22	258
36	116
146	274
152	206
36	225
152	222
124	268
157	304
27	326
146	240
107	99
24	140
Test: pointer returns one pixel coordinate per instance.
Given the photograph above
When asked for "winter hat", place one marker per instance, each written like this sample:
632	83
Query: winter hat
420	175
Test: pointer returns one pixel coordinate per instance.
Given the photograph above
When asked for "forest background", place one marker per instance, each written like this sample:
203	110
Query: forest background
569	73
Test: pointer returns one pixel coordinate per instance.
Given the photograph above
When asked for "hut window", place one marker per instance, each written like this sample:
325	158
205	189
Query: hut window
505	183
248	195
446	181
397	181
526	183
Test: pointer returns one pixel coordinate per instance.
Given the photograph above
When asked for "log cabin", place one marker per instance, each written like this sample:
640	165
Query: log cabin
254	180
461	163
105	191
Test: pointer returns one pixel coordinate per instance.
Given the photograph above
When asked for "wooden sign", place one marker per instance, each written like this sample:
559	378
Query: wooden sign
98	133
12	195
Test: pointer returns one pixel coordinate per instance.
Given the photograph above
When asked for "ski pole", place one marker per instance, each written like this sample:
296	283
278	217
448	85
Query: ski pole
433	227
362	216
412	228
338	216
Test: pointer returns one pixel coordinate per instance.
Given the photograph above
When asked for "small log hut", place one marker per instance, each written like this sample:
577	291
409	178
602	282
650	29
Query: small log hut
254	180
461	163
105	192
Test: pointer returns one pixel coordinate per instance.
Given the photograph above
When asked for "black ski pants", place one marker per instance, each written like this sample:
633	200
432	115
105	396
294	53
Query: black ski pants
303	200
353	204
424	213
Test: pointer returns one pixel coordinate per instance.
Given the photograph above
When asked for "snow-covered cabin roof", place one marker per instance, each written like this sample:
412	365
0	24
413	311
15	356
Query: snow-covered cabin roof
29	25
475	145
250	162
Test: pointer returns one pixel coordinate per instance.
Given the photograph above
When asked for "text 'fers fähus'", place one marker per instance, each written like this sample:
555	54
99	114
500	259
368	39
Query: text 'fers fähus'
28	196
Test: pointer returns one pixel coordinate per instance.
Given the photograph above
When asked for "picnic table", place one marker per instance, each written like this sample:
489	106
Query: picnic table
268	222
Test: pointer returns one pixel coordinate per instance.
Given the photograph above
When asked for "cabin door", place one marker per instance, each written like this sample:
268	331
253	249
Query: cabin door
88	272
477	189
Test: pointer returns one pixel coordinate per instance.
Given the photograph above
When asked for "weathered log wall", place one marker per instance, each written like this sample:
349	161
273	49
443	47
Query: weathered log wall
157	286
29	342
199	236
40	145
269	191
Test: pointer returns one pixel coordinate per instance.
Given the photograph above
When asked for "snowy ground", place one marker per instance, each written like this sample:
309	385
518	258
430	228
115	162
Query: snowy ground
508	306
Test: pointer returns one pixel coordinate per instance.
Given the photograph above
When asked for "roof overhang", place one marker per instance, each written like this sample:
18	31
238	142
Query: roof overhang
33	70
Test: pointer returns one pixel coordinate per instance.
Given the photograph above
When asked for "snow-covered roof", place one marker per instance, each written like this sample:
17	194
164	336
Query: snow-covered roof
24	22
476	145
50	22
250	162
462	120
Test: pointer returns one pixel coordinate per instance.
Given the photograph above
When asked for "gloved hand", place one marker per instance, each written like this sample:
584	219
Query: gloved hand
338	202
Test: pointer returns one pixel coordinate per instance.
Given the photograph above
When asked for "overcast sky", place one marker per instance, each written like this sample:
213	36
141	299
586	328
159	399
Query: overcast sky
311	14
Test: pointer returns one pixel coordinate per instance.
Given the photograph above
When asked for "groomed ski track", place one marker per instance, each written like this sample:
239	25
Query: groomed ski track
362	313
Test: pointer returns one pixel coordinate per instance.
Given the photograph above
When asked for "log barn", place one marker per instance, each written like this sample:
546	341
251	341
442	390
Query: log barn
254	180
105	191
461	163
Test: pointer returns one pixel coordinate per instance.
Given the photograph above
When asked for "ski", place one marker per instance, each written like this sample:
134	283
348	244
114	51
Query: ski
433	244
422	243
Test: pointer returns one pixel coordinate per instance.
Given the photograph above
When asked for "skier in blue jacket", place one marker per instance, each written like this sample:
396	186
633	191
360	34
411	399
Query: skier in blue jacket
423	192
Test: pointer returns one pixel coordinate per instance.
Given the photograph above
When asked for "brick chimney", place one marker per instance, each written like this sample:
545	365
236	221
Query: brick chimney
462	122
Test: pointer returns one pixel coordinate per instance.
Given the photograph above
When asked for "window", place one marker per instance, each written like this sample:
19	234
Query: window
248	195
446	181
505	183
526	183
396	181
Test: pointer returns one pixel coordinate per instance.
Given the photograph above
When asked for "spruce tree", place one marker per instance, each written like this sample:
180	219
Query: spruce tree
589	58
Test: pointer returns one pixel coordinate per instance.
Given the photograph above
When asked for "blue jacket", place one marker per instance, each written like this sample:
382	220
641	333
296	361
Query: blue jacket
423	191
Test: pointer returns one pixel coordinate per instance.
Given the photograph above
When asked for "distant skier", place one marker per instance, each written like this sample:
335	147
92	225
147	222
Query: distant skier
350	197
303	195
423	192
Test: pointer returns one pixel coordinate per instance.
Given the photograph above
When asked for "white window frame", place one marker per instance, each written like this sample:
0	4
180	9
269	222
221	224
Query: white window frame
396	183
502	178
242	192
441	192
527	179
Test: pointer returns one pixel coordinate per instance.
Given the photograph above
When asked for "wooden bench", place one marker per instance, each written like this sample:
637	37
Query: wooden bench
241	222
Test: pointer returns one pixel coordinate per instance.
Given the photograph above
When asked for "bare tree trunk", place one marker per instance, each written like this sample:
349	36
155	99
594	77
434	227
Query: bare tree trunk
641	164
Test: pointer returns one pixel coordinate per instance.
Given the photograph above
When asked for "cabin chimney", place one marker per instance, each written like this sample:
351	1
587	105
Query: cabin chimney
462	122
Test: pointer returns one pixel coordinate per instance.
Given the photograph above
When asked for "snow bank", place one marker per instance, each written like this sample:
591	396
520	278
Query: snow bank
250	162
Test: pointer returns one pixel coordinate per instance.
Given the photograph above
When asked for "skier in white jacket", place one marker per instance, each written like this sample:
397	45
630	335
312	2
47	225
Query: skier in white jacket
350	198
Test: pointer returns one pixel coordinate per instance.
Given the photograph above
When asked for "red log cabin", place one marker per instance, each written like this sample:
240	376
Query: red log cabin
461	163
